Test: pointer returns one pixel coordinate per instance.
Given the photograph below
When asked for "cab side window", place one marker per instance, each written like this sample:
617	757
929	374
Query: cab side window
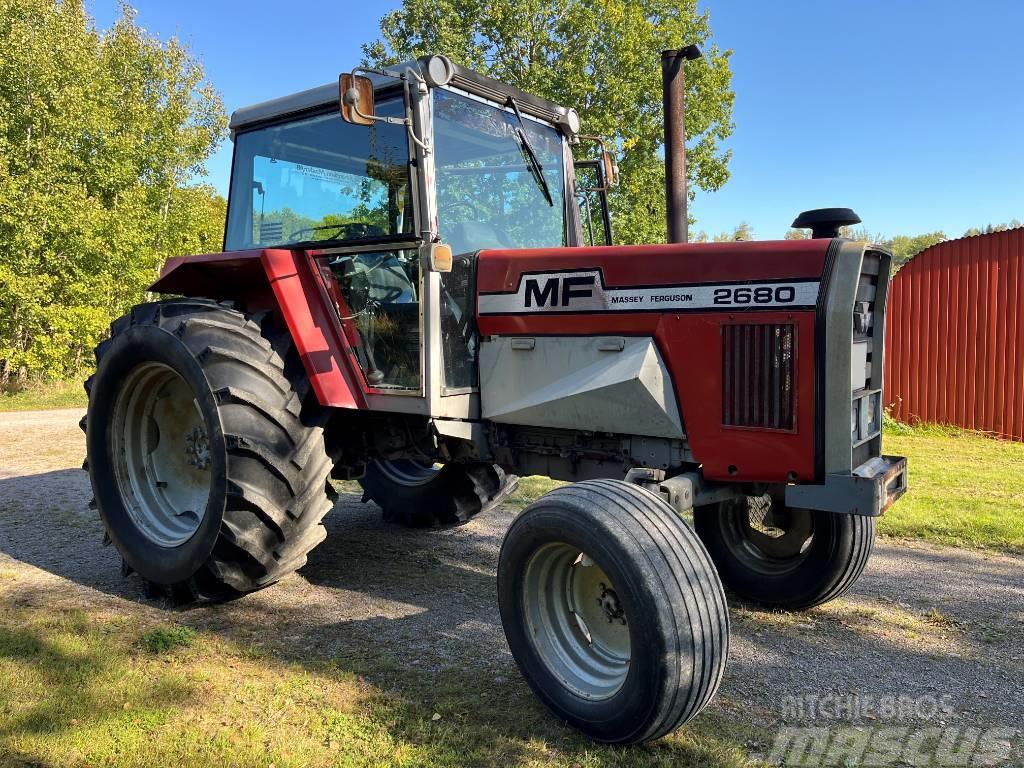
377	298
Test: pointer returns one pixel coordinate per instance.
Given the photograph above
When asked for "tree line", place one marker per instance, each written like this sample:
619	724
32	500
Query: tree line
902	247
102	136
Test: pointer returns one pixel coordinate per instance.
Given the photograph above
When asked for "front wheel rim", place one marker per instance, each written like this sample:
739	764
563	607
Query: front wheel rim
161	454
576	622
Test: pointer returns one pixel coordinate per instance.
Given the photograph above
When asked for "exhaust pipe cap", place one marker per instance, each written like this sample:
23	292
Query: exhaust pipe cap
826	222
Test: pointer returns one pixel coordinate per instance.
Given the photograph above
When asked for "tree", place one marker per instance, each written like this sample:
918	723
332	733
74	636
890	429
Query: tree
601	57
741	231
902	247
906	247
988	229
100	136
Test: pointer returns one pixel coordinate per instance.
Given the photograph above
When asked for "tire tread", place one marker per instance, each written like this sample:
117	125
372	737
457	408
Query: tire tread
267	531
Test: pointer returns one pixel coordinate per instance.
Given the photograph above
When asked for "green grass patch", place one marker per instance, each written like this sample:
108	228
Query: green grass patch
44	396
79	689
532	488
163	639
965	488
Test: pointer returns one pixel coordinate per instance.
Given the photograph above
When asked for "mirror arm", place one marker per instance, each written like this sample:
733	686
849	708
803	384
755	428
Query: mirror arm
404	77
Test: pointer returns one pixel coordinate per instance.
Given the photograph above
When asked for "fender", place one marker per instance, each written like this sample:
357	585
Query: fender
284	281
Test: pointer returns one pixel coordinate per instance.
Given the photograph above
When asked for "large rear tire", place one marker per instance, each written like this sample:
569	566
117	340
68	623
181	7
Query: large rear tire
613	610
781	557
421	495
209	474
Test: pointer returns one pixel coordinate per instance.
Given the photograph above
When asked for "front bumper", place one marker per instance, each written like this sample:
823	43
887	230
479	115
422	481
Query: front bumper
869	490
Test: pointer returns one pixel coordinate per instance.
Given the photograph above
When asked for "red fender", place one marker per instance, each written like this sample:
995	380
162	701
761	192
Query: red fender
286	281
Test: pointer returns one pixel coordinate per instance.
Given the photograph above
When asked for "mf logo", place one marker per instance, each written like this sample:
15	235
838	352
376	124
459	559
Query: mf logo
558	291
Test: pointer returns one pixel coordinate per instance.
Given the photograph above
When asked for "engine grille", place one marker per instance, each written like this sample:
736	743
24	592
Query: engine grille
759	376
868	333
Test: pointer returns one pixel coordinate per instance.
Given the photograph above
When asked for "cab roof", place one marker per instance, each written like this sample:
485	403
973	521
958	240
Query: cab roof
436	70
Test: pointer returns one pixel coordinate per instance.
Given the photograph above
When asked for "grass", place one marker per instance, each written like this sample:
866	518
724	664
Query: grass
164	639
81	687
44	395
104	683
965	488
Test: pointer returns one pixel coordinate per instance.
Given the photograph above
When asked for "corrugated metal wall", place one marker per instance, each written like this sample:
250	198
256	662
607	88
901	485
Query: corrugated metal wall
955	335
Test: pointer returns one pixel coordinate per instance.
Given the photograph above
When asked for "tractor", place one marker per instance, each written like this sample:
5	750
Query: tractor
418	291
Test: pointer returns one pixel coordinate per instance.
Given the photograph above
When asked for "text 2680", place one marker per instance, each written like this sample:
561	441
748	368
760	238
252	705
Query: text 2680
763	294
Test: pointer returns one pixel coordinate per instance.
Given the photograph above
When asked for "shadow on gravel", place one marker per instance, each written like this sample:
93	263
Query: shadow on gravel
414	612
411	612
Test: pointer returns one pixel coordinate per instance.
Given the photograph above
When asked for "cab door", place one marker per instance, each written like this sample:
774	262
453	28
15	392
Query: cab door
592	201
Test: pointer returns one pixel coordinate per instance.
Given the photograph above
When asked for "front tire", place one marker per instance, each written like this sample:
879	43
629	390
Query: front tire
209	474
613	611
781	557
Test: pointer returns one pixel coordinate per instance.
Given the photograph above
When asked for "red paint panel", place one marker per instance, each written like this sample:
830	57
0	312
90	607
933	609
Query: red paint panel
1014	400
284	279
956	335
691	346
690	343
314	328
214	275
624	265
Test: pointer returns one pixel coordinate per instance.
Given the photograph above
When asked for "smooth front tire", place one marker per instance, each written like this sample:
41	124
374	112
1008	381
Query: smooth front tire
613	611
422	495
781	557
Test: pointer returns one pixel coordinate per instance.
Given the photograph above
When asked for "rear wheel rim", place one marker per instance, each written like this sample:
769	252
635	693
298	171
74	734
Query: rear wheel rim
768	539
576	622
161	454
408	472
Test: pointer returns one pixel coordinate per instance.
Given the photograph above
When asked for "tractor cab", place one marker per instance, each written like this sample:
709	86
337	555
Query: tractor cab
425	158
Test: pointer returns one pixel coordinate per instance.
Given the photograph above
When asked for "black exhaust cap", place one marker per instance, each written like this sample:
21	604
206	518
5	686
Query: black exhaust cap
826	222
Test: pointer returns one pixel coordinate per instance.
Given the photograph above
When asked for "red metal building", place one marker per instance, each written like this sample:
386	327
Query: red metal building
955	351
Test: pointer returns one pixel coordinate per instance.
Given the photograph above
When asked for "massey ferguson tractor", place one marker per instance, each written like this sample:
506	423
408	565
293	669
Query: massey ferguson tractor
410	295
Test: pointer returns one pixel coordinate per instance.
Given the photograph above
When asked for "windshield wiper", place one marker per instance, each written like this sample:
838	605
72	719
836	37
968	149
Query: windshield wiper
536	169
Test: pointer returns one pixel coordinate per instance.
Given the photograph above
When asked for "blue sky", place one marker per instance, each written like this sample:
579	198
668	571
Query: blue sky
910	112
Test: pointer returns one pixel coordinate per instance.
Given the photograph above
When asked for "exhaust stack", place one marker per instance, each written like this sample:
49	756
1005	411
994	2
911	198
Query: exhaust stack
673	99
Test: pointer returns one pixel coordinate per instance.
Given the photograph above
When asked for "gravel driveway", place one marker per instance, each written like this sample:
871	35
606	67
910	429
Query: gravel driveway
926	623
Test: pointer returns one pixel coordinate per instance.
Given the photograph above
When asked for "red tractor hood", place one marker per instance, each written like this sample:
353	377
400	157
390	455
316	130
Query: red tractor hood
660	265
692	299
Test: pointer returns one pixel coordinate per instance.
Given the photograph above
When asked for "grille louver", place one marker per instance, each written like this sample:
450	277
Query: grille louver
759	376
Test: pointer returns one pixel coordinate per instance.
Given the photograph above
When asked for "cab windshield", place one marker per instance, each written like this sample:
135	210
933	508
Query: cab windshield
318	180
489	192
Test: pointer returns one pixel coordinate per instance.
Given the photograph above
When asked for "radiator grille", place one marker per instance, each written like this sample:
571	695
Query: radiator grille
759	376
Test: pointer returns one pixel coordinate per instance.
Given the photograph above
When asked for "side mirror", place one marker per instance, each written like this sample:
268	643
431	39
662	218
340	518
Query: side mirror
356	96
611	170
